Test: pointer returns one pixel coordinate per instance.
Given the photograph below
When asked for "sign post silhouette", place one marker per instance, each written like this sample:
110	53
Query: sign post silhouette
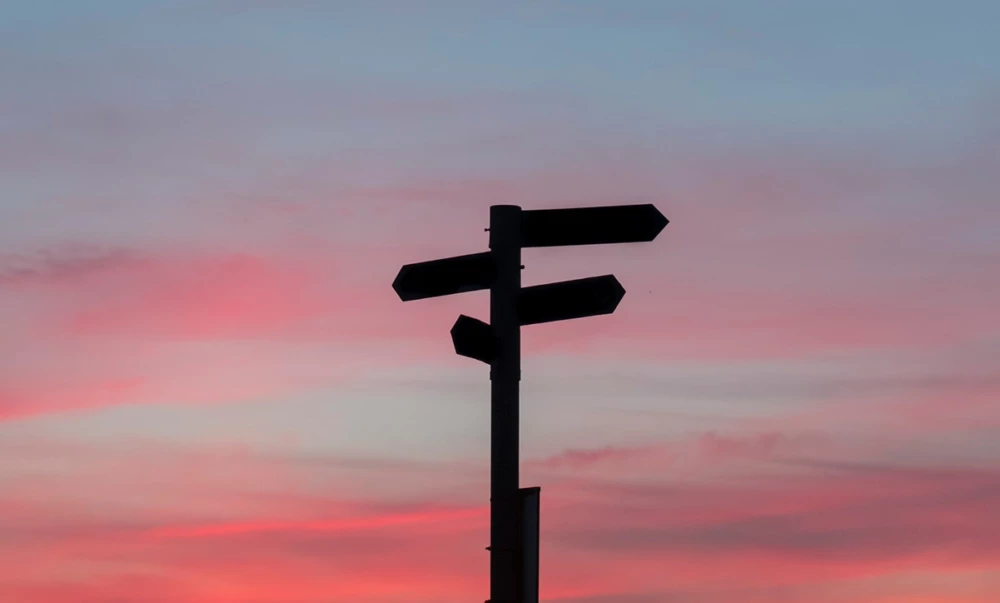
514	511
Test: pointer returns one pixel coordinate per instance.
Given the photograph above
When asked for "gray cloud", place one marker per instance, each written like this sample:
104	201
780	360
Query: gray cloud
65	263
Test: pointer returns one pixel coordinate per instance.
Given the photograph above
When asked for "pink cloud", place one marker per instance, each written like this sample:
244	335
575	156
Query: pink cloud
218	296
27	399
219	526
805	534
171	376
99	328
203	298
334	525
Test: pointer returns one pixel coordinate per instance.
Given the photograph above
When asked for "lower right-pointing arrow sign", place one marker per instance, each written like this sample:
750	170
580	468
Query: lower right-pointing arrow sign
569	299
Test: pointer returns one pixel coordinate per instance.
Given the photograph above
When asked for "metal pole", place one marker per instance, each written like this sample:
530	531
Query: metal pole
505	375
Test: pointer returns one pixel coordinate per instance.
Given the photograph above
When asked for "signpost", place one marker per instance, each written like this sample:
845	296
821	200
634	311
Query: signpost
514	517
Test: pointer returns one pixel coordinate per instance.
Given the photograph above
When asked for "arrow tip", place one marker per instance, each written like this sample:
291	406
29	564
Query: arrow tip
397	284
657	220
618	292
461	322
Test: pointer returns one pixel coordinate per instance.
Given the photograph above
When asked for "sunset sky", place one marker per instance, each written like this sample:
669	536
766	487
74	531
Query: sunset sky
210	393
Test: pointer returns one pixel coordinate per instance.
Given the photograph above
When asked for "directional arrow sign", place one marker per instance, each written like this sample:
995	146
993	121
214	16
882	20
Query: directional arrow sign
445	277
474	339
591	225
569	299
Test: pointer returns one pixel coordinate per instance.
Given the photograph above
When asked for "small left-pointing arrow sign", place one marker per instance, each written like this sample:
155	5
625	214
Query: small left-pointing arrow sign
445	277
474	339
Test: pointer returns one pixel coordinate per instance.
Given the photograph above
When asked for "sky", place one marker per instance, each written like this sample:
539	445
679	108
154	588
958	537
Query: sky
210	393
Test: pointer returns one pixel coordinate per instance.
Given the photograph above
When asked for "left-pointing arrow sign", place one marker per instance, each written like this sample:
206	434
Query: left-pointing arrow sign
445	277
474	339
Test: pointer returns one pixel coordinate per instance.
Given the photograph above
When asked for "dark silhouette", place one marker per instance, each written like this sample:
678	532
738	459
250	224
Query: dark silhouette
514	511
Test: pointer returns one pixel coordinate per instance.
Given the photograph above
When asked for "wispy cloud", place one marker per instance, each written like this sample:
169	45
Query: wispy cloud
66	264
354	524
609	455
704	448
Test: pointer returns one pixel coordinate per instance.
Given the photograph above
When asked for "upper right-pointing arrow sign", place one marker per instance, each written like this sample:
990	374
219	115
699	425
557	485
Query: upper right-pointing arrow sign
591	225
